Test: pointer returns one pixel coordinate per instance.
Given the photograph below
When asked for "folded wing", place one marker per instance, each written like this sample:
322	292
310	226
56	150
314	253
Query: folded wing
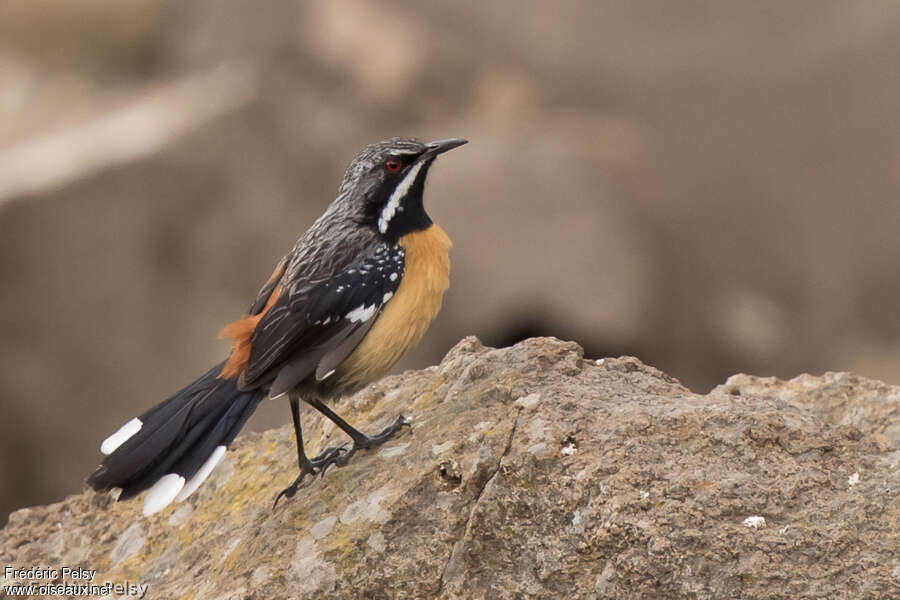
313	326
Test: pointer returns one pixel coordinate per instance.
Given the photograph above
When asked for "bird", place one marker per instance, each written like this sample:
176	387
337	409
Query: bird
355	292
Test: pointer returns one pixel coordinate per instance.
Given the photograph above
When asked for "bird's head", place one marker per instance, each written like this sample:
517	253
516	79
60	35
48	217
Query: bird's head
384	184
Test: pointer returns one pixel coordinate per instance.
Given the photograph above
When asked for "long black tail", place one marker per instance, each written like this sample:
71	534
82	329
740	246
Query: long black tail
174	446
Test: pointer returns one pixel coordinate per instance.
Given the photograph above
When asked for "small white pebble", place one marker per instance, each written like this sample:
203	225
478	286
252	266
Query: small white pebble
377	542
528	401
644	494
600	361
180	515
569	449
392	451
784	530
439	449
538	449
755	522
853	479
323	527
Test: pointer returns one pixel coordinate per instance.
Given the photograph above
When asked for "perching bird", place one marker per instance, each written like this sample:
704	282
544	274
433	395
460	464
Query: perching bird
358	289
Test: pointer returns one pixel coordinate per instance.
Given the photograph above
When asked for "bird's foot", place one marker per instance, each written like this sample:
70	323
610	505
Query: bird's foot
313	466
325	458
340	456
370	441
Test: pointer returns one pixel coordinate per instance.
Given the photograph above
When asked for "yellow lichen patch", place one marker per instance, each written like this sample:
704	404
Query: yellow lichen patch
342	546
202	521
239	498
494	431
426	400
301	522
229	561
134	567
185	534
314	440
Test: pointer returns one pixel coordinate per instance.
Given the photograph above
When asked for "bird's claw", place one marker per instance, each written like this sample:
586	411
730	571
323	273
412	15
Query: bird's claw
340	456
314	466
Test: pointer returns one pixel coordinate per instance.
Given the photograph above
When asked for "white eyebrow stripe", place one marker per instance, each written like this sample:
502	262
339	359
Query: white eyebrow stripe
387	213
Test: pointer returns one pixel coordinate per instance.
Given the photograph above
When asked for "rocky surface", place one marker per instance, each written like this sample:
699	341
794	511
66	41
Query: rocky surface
529	472
712	188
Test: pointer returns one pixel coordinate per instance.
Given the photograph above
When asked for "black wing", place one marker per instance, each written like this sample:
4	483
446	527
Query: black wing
263	296
315	326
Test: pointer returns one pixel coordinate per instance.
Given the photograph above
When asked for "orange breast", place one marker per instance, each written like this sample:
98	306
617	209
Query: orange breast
407	315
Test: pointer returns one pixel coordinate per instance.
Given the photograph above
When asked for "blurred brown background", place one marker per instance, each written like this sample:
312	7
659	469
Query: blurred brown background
710	186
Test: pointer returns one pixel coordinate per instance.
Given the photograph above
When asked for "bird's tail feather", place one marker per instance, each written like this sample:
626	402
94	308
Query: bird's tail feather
173	447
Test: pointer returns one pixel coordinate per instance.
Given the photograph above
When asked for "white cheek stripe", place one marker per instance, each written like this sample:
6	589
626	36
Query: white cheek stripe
387	213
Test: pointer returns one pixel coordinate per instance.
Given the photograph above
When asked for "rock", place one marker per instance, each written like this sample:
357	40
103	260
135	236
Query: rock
529	472
159	157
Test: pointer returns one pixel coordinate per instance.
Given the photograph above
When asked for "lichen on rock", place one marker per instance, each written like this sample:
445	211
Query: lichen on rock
529	472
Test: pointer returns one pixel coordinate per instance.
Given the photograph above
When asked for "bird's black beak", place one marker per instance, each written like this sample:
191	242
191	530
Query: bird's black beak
440	146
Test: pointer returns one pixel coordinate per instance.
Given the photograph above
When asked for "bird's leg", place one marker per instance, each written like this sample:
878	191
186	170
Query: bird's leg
307	466
360	440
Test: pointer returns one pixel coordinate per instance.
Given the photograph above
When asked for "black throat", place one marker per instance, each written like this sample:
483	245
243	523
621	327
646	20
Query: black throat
409	214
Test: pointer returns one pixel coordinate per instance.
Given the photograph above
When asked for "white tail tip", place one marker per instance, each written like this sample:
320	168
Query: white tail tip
162	493
200	476
121	436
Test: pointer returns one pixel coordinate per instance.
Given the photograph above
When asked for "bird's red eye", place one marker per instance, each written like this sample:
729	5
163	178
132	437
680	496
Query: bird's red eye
392	165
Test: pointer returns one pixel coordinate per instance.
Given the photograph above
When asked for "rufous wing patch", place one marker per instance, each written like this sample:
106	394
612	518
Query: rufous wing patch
241	331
